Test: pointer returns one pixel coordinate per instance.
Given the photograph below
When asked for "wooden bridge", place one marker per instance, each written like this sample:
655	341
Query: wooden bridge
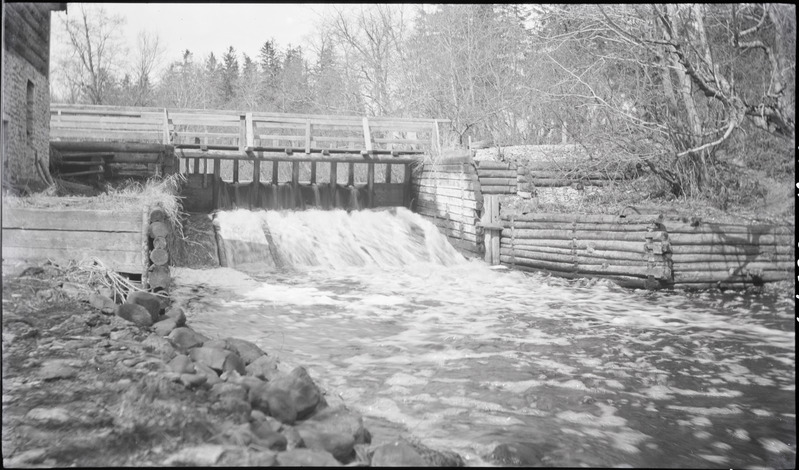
231	147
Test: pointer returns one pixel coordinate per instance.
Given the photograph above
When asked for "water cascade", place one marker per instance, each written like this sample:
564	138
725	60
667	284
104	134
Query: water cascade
283	196
332	239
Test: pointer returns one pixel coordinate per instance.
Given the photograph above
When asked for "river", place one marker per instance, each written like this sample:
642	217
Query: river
383	312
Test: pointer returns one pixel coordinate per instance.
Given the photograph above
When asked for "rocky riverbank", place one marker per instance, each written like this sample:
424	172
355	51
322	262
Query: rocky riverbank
88	381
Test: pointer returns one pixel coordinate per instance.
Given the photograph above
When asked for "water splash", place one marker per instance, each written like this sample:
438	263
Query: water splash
331	239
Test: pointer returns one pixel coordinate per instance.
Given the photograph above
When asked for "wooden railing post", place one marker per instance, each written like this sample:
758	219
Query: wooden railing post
307	136
249	132
370	185
256	182
367	137
333	182
166	127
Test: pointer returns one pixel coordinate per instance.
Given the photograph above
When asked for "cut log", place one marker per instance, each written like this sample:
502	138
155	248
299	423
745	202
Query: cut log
158	277
160	243
498	181
583	235
588	218
157	215
735	266
633	247
582	226
508	174
729	239
493	165
159	257
158	229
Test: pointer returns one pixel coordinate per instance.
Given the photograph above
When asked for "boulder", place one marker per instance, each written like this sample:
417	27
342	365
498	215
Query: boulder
267	437
306	458
102	303
204	455
149	301
516	454
338	420
340	445
220	360
292	436
159	346
264	367
228	389
278	404
134	314
397	454
181	364
437	458
164	327
216	343
184	339
247	350
212	378
176	313
192	380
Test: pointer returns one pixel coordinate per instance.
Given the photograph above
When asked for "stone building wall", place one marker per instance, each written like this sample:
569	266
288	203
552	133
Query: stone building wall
26	88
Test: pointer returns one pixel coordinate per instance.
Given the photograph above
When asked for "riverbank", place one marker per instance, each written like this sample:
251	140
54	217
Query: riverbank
82	386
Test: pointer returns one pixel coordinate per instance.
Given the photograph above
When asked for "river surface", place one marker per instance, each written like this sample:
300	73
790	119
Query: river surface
465	357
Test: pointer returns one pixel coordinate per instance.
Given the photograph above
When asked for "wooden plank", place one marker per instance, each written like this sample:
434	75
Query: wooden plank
117	260
408	190
333	182
582	252
249	131
582	226
71	219
106	146
509	174
498	189
613	245
313	173
467	194
367	136
350	174
587	218
441	210
729	239
583	235
370	185
255	187
235	171
101	241
493	165
497	181
295	183
217	184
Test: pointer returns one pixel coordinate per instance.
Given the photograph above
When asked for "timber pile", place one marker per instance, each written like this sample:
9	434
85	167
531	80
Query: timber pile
497	177
448	194
708	255
159	234
633	251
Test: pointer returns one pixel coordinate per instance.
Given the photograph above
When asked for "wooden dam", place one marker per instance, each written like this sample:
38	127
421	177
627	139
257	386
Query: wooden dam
258	160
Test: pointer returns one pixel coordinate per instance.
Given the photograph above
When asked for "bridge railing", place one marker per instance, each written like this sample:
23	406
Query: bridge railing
244	133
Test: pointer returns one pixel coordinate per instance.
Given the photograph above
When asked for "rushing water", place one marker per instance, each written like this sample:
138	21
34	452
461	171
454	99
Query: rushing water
382	311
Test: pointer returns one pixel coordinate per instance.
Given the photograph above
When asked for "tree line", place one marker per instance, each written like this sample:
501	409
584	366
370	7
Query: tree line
689	92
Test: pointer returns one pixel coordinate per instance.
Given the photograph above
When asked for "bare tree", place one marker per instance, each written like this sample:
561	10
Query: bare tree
95	52
147	58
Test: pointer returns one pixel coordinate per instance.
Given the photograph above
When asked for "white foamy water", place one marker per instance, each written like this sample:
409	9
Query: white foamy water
383	313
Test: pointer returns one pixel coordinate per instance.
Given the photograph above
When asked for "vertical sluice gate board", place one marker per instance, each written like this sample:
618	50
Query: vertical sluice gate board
61	235
447	193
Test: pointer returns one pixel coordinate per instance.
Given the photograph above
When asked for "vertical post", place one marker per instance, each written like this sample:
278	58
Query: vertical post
295	183
242	132
313	172
235	170
367	137
388	173
256	182
186	165
217	184
436	139
249	132
370	185
406	181
351	174
333	182
275	168
197	166
307	136
490	222
166	127
205	172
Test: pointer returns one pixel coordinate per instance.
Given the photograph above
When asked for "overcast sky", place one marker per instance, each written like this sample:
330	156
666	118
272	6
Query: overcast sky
212	27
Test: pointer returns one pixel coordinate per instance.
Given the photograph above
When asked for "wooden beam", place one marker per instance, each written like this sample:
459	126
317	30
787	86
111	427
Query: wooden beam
256	182
406	179
275	172
125	147
205	172
367	136
351	174
313	172
308	137
166	127
295	183
243	133
235	171
217	183
370	185
333	182
388	173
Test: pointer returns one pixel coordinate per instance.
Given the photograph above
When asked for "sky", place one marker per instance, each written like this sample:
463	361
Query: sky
212	27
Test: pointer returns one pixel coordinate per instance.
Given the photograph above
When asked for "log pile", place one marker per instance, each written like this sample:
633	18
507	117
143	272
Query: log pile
547	175
632	251
159	231
448	194
708	255
497	177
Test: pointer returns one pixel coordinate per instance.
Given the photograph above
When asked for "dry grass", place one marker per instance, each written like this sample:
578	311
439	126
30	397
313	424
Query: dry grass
92	272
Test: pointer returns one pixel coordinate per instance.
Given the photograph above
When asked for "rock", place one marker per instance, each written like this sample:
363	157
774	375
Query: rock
74	290
181	364
264	367
50	415
122	335
340	445
177	314
304	392
516	454
306	458
228	389
293	437
159	346
210	374
192	380
107	292
220	360
24	459
257	415
184	338
234	408
267	437
149	301
164	327
134	314
261	459
437	458
287	397
56	369
397	454
239	434
247	351
339	420
279	405
199	456
102	303
216	344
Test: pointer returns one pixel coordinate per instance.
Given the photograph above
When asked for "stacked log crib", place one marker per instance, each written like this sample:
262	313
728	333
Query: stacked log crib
448	194
159	230
631	251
